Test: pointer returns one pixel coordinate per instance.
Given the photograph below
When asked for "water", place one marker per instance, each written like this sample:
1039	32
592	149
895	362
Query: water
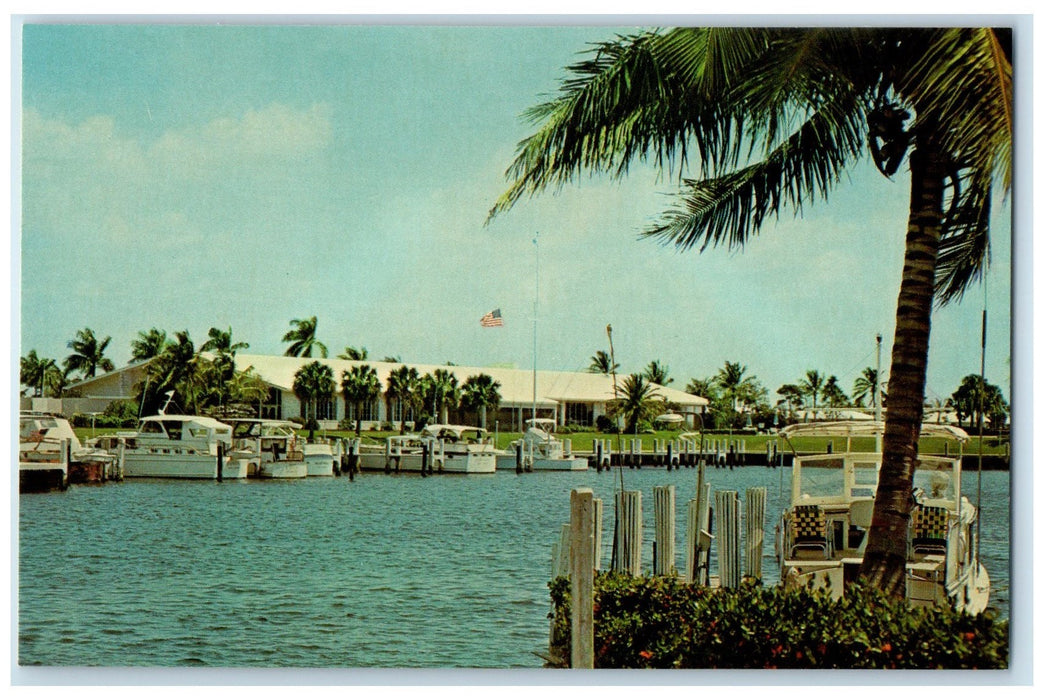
385	571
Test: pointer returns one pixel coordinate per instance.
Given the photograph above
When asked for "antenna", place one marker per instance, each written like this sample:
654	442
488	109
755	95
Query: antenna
536	297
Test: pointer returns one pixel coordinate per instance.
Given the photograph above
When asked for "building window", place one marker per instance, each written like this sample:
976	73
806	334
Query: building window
326	408
579	414
369	411
396	412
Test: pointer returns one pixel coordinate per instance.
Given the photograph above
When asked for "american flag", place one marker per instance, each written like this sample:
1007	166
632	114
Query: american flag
492	319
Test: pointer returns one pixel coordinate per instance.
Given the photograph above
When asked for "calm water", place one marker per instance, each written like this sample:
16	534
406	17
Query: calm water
385	571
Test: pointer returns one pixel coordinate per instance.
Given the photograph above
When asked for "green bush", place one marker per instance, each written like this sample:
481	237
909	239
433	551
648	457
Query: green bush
667	623
604	424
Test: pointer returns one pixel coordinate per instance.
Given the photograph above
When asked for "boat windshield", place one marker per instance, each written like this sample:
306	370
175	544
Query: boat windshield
842	478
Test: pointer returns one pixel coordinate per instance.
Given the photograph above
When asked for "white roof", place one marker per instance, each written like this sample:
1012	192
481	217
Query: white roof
866	428
516	385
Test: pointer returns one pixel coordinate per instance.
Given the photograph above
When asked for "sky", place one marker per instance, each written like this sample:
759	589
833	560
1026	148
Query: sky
189	177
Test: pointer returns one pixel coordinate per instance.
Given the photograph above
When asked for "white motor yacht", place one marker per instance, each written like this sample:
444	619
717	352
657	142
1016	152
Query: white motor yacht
179	447
543	451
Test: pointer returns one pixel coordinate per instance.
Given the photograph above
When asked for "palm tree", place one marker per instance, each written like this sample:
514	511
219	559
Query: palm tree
302	338
602	364
403	386
175	369
444	393
480	392
148	344
978	400
658	373
811	386
220	343
865	387
792	396
639	401
33	371
312	382
833	395
776	116
701	387
360	385
88	354
351	353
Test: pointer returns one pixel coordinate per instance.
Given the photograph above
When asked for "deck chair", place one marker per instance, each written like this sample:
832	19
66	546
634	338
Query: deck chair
929	528
810	532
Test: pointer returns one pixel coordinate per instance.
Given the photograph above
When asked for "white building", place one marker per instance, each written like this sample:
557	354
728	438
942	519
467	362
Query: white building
568	397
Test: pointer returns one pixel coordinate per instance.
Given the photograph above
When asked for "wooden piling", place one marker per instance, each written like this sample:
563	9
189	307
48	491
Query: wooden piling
727	506
581	575
220	459
755	530
698	536
663	516
598	510
629	533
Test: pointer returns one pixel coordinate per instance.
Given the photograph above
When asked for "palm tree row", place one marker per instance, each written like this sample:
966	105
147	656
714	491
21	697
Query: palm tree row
427	397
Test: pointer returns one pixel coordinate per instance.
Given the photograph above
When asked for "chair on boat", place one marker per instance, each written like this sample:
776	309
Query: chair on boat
929	526
810	532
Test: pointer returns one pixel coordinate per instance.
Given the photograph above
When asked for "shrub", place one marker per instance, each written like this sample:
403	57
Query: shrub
667	623
604	424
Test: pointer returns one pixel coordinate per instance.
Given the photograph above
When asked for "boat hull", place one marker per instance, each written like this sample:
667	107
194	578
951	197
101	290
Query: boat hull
283	470
169	465
40	477
560	464
319	460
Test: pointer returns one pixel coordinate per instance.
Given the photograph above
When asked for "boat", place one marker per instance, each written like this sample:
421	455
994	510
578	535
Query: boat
40	441
179	446
461	449
821	536
399	453
322	458
542	451
267	448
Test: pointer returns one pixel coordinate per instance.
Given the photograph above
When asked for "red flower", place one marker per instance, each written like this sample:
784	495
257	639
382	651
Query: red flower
645	654
886	647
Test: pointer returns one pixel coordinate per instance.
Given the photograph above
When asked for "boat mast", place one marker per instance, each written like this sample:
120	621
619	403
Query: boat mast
877	396
536	296
982	411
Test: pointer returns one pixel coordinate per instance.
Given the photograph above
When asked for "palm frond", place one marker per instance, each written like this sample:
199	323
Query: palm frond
731	208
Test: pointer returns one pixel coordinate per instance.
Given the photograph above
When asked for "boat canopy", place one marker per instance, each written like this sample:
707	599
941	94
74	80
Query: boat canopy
452	432
866	428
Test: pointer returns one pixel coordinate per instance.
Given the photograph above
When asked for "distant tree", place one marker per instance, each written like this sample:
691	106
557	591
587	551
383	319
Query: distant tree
220	343
360	385
976	399
833	395
88	354
638	402
480	392
175	369
441	393
811	386
389	358
32	371
312	382
865	387
702	387
302	339
658	373
351	353
148	344
793	396
601	364
247	388
403	386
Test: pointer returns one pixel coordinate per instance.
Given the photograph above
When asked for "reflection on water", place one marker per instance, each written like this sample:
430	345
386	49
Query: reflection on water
385	571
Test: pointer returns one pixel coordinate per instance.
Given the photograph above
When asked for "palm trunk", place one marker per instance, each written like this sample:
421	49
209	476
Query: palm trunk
884	563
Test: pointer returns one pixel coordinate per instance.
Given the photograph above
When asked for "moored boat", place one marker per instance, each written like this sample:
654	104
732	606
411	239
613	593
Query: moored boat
821	536
40	440
463	449
176	446
267	449
320	458
542	451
